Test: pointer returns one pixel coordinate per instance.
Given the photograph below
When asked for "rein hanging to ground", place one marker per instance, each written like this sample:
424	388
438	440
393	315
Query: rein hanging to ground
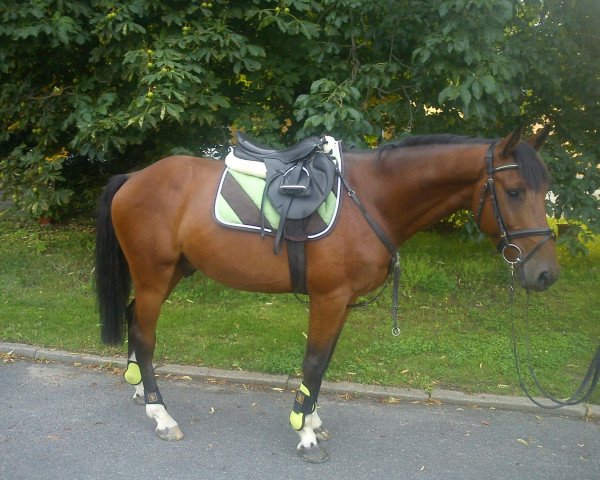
591	377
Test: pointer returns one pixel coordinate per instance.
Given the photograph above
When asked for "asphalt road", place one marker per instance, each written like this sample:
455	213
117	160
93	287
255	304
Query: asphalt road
74	422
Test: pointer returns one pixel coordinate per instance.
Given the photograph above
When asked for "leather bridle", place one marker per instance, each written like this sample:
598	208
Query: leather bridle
592	377
507	236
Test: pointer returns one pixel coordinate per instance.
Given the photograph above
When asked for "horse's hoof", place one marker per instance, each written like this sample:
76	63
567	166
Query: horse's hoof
170	433
322	434
313	454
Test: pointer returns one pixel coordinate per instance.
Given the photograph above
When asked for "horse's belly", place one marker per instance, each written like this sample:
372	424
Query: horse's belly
240	260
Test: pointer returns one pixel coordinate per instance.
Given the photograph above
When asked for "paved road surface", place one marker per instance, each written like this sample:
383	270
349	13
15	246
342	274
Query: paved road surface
68	422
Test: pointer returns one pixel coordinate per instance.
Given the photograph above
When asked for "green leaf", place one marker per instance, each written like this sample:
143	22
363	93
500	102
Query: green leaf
476	88
251	65
489	84
449	93
355	114
329	121
314	121
465	94
256	50
266	21
309	30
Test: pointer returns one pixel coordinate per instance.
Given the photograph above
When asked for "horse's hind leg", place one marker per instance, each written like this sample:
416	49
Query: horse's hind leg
133	374
142	334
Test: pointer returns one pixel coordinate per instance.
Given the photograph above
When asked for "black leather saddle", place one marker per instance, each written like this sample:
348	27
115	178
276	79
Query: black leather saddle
299	178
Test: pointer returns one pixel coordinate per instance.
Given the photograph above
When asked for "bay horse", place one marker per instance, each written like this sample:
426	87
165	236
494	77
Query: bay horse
156	226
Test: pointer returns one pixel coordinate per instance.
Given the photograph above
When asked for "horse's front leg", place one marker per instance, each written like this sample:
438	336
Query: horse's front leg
327	317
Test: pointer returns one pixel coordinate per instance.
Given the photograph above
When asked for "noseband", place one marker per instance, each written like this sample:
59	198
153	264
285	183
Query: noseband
506	241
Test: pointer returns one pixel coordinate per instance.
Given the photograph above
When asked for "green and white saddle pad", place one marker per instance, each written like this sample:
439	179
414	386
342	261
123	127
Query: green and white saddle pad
240	194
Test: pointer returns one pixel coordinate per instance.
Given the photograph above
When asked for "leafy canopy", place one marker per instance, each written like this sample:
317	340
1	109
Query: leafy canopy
89	88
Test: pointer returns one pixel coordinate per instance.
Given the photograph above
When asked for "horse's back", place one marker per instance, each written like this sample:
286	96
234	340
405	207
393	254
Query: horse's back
170	177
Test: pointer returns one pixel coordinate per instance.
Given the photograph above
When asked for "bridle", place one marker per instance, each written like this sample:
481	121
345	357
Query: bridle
592	376
507	236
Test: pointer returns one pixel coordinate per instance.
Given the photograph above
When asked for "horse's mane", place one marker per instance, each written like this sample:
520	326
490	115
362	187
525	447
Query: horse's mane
533	170
437	139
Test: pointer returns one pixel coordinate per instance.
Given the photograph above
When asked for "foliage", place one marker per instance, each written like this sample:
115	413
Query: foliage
33	181
124	83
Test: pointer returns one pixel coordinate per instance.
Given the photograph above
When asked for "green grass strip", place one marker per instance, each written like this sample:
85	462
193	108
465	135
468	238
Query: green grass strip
455	316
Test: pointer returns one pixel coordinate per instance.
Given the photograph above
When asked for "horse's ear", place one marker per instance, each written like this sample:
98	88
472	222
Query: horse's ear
538	139
508	144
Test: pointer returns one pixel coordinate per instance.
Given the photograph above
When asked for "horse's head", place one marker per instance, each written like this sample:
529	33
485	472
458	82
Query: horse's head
511	208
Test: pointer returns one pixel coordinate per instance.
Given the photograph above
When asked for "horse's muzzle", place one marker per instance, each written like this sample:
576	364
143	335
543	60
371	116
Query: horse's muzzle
537	280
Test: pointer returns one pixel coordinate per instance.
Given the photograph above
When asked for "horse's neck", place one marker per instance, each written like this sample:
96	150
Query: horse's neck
413	188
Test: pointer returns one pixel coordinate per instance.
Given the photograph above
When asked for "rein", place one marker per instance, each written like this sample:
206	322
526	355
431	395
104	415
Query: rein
585	389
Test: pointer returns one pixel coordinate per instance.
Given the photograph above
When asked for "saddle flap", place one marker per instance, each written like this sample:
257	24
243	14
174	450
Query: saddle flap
301	188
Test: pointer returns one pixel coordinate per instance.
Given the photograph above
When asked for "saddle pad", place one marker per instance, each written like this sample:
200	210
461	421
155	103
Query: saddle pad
240	194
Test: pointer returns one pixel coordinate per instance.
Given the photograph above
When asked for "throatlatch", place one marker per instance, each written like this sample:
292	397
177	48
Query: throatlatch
304	404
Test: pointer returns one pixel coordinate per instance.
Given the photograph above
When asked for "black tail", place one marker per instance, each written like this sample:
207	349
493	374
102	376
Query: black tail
113	280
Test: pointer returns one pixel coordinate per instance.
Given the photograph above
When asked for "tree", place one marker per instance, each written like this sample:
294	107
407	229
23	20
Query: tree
106	81
104	86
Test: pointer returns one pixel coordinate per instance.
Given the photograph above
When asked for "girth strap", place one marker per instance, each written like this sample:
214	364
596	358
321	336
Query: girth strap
296	256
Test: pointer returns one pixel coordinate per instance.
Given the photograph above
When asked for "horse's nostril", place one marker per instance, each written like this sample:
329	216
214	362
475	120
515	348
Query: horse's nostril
544	280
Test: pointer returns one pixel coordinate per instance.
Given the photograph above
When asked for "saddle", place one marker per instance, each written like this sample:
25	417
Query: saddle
298	180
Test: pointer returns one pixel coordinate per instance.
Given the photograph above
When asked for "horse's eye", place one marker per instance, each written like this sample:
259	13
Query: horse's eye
514	193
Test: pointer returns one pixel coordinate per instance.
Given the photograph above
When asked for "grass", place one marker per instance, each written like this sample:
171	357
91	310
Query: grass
455	316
